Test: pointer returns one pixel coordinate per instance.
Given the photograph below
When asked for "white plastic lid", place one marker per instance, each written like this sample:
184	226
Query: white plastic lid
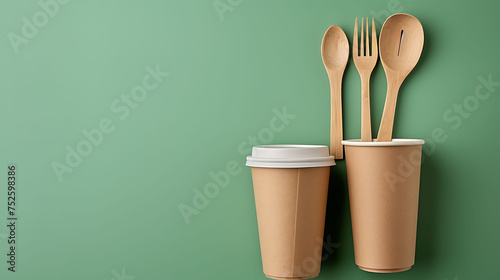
290	156
394	142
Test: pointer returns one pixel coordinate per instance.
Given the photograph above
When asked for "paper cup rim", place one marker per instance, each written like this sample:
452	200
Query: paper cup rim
394	142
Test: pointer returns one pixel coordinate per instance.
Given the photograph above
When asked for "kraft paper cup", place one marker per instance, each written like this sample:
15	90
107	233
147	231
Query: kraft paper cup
291	186
383	180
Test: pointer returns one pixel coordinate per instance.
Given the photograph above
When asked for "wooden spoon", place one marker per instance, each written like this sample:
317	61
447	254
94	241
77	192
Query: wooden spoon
335	53
401	43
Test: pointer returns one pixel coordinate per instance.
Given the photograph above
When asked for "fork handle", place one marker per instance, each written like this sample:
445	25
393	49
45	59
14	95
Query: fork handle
366	129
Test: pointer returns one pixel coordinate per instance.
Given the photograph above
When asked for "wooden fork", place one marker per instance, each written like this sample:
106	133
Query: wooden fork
365	63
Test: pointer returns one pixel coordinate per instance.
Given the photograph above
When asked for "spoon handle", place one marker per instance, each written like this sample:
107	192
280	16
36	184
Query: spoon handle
336	136
387	123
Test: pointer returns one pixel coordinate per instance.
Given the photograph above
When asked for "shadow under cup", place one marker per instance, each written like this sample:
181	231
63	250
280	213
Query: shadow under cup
291	187
383	180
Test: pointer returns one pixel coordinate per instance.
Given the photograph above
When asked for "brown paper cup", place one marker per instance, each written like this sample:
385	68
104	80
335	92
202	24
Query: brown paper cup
383	179
291	205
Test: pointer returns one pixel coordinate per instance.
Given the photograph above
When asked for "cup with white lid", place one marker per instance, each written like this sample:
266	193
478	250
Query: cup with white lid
291	186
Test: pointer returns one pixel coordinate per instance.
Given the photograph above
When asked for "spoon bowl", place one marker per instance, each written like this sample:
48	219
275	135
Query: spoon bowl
335	49
401	43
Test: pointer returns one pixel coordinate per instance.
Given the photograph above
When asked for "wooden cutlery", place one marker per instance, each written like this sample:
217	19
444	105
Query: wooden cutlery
401	43
365	60
335	53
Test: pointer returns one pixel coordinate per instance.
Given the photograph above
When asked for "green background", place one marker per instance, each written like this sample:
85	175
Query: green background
116	215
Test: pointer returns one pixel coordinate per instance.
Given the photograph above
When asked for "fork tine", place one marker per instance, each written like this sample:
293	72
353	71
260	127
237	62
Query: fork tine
367	42
374	39
362	46
355	50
